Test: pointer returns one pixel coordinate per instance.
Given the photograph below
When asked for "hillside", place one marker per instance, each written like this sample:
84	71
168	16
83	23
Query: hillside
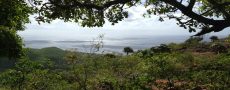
192	65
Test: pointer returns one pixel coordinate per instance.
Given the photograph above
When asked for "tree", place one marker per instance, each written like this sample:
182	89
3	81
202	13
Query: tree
10	43
207	15
214	38
16	77
163	48
193	41
71	57
219	48
97	44
14	14
128	50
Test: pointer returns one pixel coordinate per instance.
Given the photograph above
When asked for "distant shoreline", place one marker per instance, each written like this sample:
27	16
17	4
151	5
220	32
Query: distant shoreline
110	44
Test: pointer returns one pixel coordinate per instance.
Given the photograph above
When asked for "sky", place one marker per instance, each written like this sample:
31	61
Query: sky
133	26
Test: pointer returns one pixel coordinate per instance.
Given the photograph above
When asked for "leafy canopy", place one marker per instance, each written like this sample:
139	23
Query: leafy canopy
10	43
128	50
14	14
13	17
207	15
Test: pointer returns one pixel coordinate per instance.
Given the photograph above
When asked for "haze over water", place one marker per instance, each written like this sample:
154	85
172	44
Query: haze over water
110	44
114	40
135	31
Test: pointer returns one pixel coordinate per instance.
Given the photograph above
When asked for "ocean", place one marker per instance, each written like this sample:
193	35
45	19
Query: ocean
109	44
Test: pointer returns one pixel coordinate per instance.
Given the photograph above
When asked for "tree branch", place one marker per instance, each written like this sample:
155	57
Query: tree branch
77	4
217	25
191	4
190	13
225	4
220	7
206	30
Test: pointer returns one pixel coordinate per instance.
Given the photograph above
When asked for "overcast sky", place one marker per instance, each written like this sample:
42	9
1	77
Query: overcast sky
134	26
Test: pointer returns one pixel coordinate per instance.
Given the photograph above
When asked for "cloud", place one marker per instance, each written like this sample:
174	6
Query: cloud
133	26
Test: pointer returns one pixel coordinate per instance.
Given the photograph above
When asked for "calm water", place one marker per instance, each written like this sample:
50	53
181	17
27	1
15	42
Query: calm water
110	44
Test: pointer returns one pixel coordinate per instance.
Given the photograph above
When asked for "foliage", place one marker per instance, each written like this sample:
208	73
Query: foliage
160	67
139	71
127	50
110	55
53	68
10	43
194	14
161	49
193	41
174	46
15	78
31	75
218	48
5	63
14	14
56	55
97	44
214	38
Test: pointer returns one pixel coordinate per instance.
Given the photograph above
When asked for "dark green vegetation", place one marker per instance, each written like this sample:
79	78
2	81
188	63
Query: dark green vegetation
128	50
192	65
194	14
10	43
205	15
14	14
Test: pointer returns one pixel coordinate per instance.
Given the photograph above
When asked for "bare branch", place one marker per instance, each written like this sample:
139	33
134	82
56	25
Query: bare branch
220	7
191	4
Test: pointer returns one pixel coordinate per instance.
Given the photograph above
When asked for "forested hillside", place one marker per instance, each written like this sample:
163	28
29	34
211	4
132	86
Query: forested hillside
192	65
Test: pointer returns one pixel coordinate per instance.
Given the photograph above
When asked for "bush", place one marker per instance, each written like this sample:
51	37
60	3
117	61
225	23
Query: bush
218	48
10	43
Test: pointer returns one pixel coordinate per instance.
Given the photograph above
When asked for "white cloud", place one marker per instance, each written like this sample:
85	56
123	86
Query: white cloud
134	26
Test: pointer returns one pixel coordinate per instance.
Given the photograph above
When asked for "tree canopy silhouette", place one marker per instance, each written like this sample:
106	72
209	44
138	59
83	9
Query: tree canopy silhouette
128	50
14	14
10	44
13	17
207	15
214	38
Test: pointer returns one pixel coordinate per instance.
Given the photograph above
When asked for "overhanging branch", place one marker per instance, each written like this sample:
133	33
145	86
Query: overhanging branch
77	4
191	4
